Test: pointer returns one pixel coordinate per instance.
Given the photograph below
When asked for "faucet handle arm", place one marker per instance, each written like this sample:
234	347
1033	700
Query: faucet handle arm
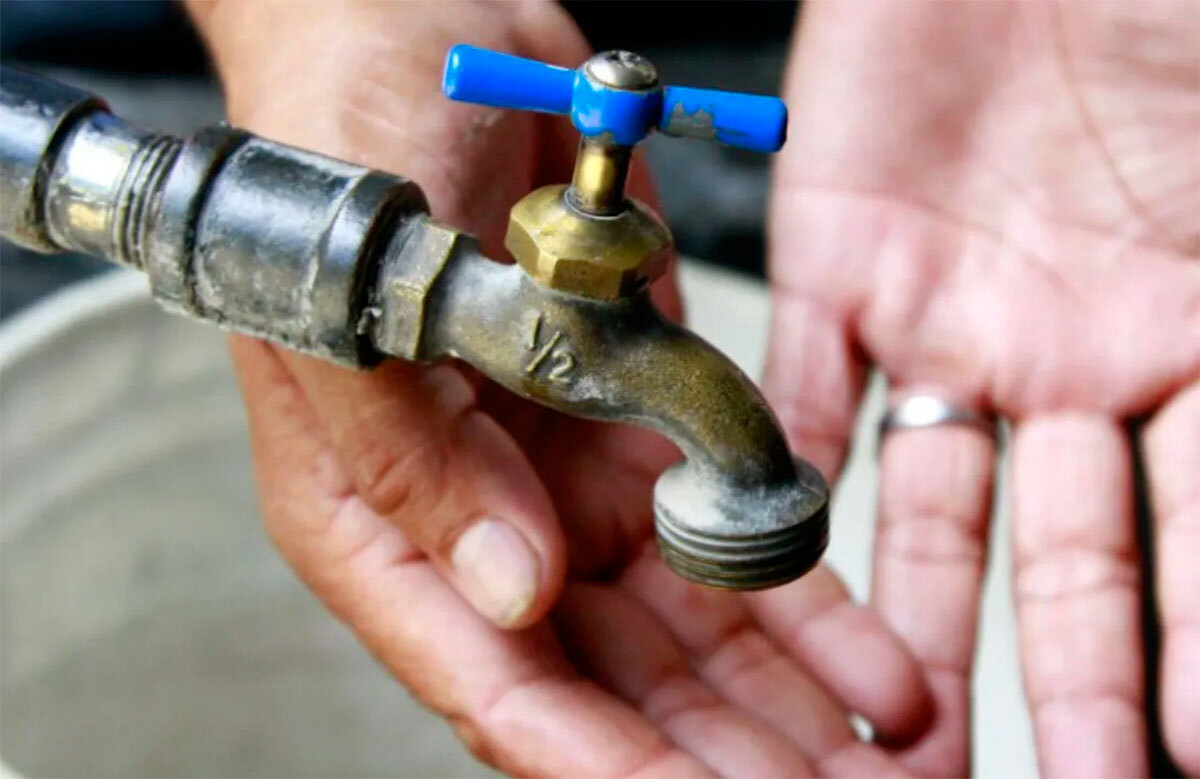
752	122
474	75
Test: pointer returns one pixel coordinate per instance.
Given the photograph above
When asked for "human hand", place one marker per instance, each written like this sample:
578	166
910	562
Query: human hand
997	202
430	509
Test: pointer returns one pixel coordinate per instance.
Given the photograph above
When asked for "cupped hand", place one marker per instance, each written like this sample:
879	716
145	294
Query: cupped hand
442	518
998	203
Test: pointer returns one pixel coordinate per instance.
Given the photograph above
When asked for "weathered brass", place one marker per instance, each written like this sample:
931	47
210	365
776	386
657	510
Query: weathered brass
572	326
598	186
412	263
603	258
738	513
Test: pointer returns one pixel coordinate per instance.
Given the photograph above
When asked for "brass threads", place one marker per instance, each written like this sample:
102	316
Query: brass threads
737	537
598	185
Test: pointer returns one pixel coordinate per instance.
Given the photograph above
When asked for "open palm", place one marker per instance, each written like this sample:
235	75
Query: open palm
998	203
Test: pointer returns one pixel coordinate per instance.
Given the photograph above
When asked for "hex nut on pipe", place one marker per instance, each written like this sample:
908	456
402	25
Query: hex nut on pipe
413	262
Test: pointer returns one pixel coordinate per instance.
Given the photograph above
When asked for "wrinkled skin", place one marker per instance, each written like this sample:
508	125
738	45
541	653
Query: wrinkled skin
1000	202
987	200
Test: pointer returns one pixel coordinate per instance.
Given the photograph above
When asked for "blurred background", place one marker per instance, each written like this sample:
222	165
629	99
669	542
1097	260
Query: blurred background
146	60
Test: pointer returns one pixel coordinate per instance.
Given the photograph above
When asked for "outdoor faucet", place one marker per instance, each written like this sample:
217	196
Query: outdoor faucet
344	263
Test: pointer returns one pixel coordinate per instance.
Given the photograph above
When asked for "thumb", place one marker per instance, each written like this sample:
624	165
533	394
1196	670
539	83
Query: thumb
418	451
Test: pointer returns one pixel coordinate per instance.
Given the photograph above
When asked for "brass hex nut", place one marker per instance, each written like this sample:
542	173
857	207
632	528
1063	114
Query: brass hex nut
410	268
597	257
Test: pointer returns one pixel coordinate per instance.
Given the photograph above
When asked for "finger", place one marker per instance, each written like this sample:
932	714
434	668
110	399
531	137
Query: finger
930	551
1172	446
849	649
652	672
1076	583
512	695
729	651
813	377
419	452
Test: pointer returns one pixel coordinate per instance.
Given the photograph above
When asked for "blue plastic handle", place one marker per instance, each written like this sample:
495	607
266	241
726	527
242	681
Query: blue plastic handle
475	75
753	122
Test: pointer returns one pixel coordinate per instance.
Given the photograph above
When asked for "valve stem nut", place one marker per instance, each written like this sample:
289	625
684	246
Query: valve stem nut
605	258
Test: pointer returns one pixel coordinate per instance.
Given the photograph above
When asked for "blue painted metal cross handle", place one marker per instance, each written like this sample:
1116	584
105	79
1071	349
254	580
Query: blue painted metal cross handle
754	122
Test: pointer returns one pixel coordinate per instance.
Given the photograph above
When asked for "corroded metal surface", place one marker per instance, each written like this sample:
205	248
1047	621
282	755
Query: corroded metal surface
741	536
738	513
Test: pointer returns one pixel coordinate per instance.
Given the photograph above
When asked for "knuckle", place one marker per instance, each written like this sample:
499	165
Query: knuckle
1077	701
400	476
931	539
1073	572
472	737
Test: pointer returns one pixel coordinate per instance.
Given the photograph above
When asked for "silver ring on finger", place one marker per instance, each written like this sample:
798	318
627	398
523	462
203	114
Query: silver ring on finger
923	410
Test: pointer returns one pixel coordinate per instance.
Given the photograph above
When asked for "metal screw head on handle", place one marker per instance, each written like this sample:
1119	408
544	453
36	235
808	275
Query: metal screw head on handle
621	69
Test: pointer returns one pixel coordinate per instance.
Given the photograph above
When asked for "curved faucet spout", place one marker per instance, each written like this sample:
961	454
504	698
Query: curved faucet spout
739	513
613	360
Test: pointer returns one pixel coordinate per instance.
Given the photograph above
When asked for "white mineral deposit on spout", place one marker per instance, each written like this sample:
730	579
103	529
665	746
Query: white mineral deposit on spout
703	501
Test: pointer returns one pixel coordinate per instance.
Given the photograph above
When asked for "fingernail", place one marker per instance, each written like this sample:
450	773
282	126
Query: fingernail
497	570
